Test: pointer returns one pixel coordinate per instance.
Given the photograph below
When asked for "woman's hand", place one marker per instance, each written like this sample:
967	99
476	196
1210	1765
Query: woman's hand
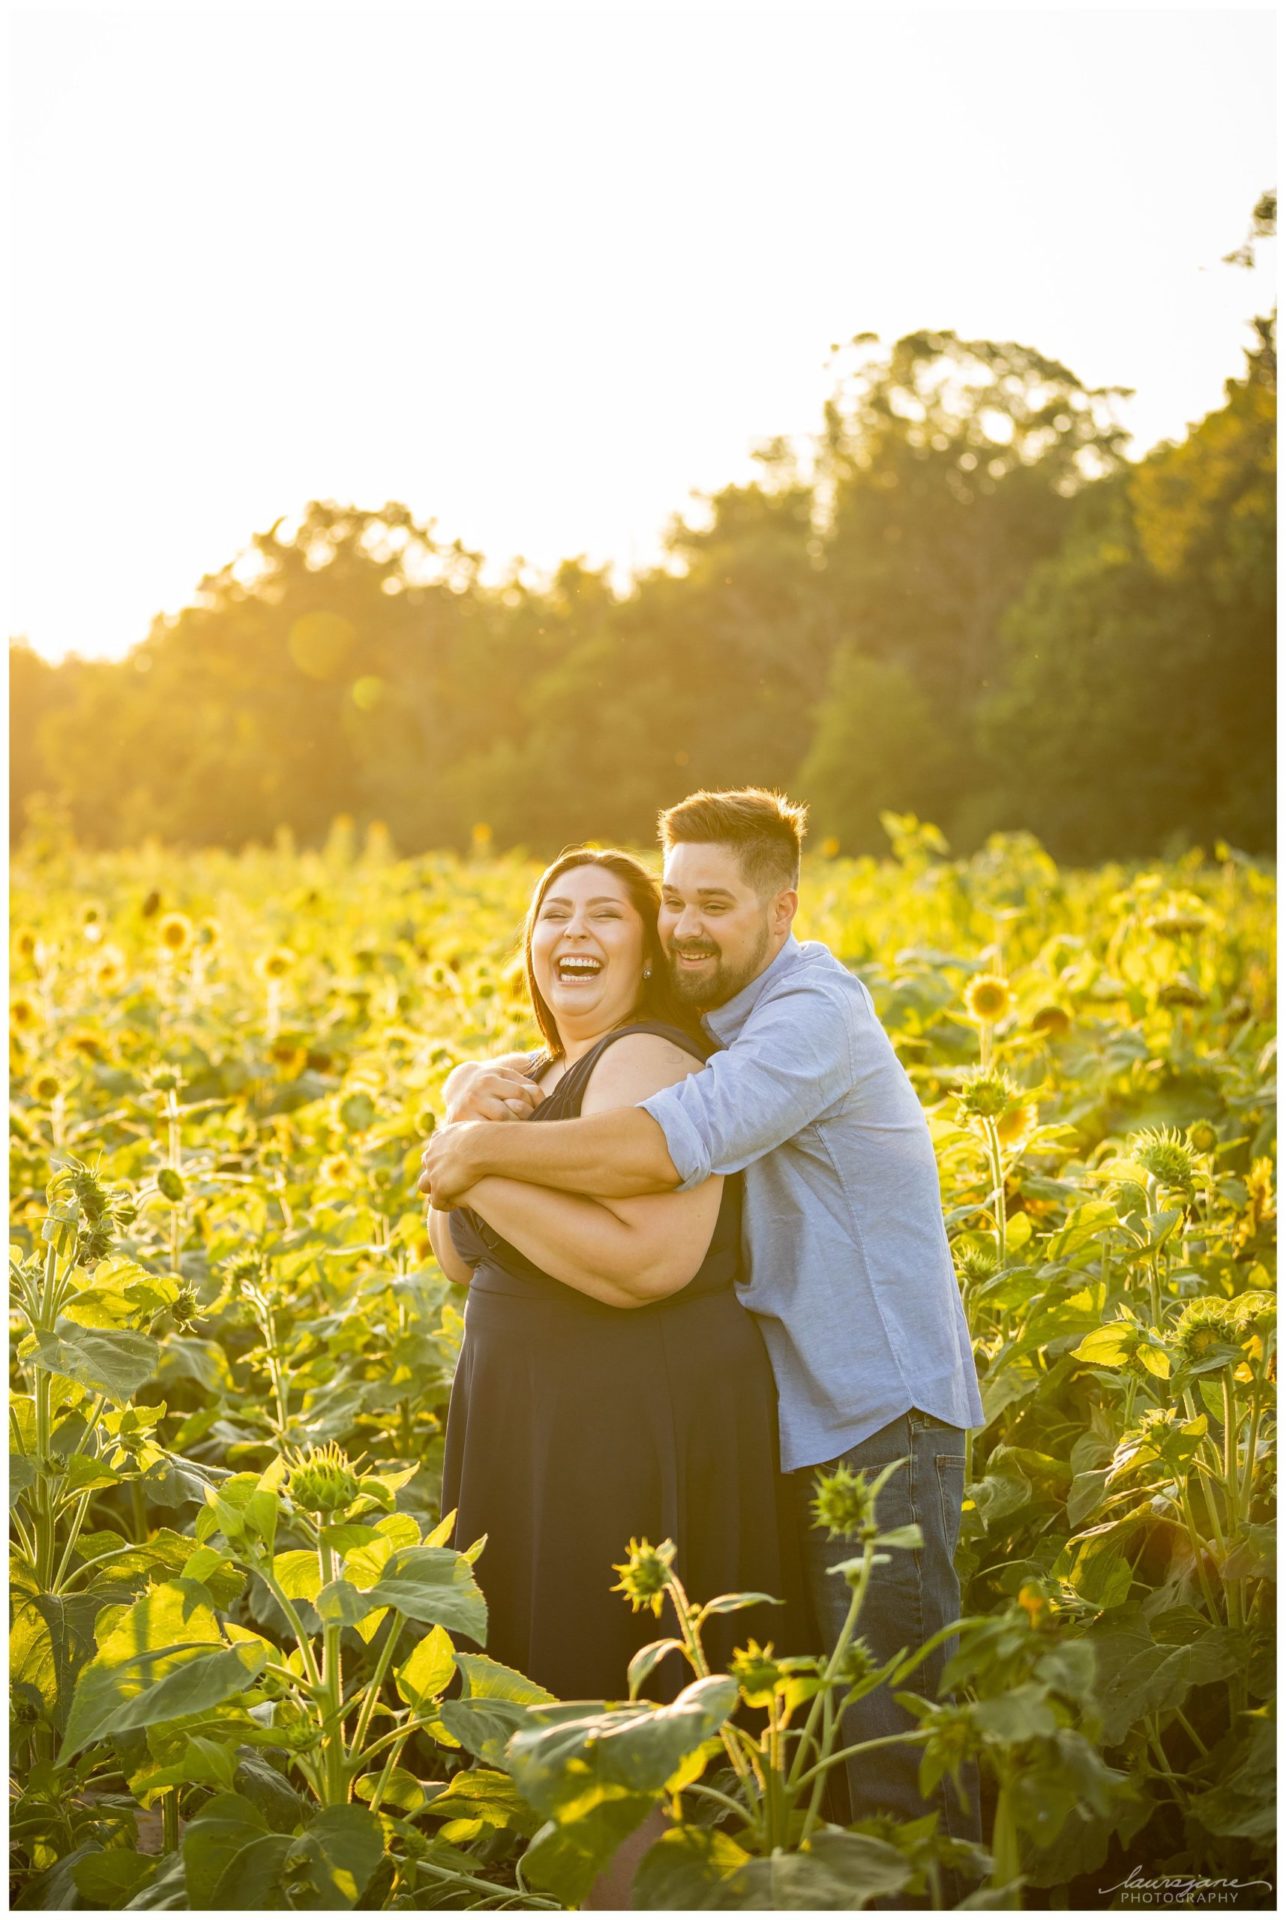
483	1090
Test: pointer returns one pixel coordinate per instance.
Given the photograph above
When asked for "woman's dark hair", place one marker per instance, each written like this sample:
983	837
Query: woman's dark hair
656	999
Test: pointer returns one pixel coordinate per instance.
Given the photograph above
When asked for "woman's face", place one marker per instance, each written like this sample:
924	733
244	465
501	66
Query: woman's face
587	952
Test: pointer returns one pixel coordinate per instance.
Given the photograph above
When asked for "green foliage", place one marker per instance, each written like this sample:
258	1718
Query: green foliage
285	1681
964	604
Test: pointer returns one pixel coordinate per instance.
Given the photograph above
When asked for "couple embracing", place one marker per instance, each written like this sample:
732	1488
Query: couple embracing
709	1261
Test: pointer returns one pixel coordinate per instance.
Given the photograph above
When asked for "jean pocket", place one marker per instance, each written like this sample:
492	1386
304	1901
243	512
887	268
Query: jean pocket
950	1469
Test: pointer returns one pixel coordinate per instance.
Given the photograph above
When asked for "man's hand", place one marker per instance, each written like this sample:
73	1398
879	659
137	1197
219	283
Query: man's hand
451	1163
476	1091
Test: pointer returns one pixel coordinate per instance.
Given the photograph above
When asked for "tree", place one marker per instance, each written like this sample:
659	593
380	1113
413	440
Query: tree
1138	700
877	747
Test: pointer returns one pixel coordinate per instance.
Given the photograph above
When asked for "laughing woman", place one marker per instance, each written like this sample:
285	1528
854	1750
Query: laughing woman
610	1384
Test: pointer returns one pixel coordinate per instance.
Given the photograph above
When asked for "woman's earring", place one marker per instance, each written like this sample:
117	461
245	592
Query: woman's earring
647	971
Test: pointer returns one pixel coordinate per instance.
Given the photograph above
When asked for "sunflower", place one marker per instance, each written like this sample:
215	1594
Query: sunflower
275	964
988	998
23	1012
1182	991
46	1087
1203	1326
175	932
1051	1019
1016	1125
334	1170
109	970
24	944
645	1574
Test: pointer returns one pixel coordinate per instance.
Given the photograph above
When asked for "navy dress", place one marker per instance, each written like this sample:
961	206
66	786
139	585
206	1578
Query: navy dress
575	1426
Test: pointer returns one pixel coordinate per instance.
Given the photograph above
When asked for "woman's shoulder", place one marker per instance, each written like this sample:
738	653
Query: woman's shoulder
639	1059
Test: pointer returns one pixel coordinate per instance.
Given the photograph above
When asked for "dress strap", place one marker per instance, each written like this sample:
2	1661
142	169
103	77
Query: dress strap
664	1029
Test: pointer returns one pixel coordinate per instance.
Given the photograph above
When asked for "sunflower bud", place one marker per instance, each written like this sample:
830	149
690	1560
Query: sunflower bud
645	1574
169	1185
323	1482
844	1504
986	1093
1203	1326
754	1668
1203	1137
975	1260
856	1662
1167	1156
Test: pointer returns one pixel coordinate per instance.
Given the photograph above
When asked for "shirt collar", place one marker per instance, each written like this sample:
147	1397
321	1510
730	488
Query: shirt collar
725	1023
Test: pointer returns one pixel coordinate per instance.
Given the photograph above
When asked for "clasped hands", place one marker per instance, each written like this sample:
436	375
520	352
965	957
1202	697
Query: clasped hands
475	1094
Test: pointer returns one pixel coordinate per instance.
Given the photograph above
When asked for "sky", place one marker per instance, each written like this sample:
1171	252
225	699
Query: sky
544	276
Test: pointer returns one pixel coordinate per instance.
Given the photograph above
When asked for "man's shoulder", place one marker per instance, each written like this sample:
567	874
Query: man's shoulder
816	982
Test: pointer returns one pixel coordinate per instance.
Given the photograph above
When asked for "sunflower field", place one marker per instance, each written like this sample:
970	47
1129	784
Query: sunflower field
244	1662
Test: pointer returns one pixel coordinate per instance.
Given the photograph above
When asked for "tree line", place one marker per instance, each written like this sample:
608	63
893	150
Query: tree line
961	601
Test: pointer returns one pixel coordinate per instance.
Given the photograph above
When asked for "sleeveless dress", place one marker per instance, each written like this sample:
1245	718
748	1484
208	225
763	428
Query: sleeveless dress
574	1426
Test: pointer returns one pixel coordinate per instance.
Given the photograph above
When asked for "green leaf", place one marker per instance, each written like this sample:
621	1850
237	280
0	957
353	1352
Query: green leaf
115	1364
434	1586
22	1474
486	1679
230	1858
341	1604
427	1670
1243	1804
1108	1346
1252	1553
565	1860
298	1574
1023	1713
51	1640
908	1536
839	1872
482	1798
196	1761
734	1602
335	1858
188	1685
1137	1675
165	1656
483	1727
400	1789
688	1870
636	1747
111	1879
646	1659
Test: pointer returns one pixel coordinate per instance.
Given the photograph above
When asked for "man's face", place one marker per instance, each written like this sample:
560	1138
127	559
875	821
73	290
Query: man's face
718	932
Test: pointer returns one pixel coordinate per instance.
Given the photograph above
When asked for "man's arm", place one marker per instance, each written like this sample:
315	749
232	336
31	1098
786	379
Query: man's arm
795	1058
616	1155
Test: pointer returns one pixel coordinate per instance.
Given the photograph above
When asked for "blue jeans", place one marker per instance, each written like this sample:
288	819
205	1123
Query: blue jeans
909	1598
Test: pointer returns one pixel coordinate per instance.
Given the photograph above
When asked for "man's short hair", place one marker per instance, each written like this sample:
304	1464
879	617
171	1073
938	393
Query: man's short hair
766	829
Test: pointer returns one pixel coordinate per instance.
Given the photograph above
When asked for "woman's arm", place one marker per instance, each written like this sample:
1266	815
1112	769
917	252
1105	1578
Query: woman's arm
450	1261
625	1252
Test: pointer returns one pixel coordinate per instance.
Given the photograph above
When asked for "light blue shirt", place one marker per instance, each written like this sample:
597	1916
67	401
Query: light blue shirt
847	1264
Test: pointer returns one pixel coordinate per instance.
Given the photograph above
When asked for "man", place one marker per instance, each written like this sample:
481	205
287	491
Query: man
847	1264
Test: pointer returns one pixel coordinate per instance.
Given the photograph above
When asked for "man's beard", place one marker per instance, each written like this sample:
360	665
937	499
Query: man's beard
716	988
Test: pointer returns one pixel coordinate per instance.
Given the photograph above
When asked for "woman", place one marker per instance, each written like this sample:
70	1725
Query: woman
610	1385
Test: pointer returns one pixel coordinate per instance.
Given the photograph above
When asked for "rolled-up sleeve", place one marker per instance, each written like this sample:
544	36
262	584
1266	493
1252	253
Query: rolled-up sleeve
793	1059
